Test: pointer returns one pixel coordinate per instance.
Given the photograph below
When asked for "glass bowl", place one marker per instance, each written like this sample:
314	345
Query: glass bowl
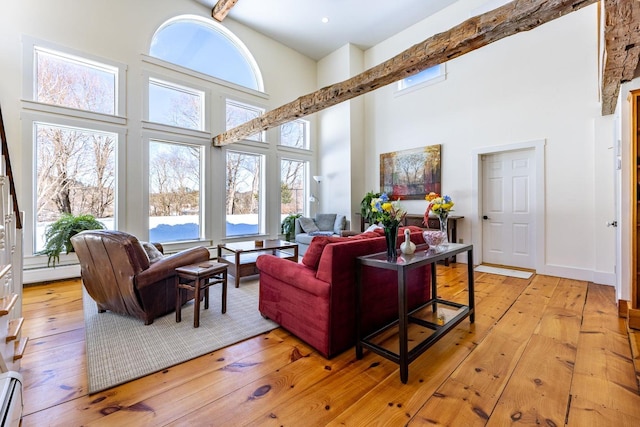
434	238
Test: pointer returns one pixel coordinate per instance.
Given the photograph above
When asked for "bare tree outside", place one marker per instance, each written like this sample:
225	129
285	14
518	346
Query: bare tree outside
293	134
238	114
174	191
72	83
176	106
292	186
244	175
243	193
243	178
75	172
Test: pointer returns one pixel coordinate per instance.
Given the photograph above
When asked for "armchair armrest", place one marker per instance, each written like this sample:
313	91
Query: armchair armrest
166	266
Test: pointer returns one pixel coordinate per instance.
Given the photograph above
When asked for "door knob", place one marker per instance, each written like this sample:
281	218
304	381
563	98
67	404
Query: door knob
612	224
485	217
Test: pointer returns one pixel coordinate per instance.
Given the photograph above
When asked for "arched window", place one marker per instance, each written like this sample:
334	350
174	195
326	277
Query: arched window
203	45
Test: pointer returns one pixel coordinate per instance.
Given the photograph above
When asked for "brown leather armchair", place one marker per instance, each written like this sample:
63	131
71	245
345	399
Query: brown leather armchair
118	275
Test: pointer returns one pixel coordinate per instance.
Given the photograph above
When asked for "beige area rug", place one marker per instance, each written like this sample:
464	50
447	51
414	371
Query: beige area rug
121	349
504	271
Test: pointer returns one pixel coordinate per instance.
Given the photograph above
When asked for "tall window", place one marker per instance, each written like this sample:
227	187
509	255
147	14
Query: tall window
295	134
243	202
74	82
175	105
292	187
239	113
75	171
74	148
174	192
205	46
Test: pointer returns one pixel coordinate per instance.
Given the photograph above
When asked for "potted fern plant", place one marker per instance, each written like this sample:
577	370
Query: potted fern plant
288	226
58	235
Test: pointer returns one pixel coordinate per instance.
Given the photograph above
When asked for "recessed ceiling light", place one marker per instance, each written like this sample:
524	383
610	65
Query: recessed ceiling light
325	20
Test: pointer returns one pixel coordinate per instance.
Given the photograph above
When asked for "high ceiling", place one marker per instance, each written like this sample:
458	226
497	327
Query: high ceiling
298	23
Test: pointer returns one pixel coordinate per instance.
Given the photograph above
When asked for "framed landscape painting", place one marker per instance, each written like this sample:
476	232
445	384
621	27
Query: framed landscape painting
411	174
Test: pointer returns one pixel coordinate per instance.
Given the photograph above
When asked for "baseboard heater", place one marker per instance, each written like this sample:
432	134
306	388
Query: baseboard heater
10	399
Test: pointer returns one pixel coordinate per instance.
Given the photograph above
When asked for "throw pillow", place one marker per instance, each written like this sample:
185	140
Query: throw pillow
325	222
373	227
152	252
339	224
313	254
308	225
321	233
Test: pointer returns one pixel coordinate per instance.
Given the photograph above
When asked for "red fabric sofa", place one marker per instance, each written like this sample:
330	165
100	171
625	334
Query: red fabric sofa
316	298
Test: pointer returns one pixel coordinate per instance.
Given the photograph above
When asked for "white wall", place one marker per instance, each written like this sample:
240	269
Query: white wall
538	85
121	30
340	130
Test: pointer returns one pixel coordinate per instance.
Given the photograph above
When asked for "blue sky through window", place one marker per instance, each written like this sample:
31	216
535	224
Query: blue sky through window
203	48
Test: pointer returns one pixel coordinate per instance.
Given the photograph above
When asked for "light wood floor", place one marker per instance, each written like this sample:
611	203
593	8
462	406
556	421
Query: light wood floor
543	351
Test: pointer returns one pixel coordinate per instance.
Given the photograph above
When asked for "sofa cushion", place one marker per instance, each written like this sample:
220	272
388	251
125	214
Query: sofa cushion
312	256
325	222
304	238
321	233
365	235
339	224
307	224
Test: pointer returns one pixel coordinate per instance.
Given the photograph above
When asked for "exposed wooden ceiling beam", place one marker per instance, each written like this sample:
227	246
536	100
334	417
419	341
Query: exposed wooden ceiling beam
474	33
622	48
220	10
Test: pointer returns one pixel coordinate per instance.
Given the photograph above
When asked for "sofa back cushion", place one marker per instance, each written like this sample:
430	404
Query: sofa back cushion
337	260
312	256
325	222
339	224
308	225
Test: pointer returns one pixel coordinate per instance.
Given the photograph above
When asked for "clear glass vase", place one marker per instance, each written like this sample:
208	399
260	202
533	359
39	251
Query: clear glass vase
444	224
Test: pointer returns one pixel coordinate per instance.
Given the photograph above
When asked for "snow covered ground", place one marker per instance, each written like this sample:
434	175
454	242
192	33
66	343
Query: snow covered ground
173	228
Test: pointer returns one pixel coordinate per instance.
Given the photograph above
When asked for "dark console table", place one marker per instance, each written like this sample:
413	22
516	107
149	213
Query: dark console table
443	316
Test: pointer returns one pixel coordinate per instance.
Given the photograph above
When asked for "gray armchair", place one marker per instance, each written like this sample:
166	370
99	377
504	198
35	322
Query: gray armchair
322	225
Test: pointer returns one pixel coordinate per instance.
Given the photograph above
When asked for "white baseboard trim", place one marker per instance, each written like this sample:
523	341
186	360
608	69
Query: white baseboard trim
38	275
597	277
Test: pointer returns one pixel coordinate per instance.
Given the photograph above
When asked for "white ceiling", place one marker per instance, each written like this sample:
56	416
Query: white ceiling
297	23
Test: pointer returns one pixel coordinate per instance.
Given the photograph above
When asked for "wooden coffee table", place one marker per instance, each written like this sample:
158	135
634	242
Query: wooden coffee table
241	256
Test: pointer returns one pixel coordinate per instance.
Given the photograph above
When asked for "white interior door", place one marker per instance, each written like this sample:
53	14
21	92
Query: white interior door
508	208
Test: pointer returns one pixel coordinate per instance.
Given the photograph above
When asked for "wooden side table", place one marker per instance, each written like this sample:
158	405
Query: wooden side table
198	278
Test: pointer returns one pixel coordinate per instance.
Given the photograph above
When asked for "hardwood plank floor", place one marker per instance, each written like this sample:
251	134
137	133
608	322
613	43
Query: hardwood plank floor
544	350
